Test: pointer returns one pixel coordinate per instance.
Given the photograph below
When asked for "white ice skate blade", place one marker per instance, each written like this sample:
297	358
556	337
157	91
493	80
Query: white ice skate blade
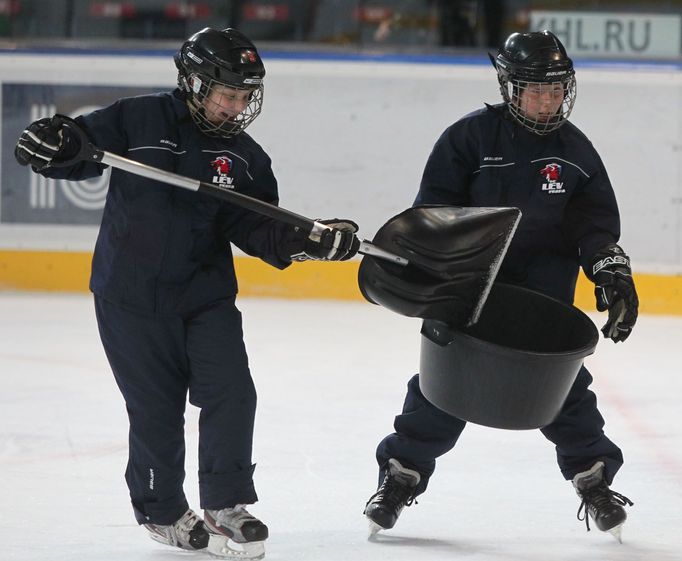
223	547
374	529
165	541
161	539
617	532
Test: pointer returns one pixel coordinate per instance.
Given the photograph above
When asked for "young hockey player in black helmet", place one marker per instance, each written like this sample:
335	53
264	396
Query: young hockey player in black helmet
164	282
524	153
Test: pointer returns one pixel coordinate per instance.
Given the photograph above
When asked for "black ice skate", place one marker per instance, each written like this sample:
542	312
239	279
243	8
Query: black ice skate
188	532
604	506
396	492
236	525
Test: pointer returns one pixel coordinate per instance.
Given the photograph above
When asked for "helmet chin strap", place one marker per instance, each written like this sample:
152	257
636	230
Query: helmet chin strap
183	83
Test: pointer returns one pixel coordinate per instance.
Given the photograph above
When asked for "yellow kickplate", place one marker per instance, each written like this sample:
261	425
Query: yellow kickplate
70	272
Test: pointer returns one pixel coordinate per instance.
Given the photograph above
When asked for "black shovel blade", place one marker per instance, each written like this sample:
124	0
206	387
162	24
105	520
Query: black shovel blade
454	256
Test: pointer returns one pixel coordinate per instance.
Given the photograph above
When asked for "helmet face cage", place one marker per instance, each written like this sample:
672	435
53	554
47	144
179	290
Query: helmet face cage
536	79
215	69
516	92
203	98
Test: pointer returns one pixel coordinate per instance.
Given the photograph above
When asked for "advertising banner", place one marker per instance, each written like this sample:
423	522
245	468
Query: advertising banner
613	34
29	198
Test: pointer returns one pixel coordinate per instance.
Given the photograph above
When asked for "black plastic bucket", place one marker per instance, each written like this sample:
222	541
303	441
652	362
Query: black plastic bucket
514	368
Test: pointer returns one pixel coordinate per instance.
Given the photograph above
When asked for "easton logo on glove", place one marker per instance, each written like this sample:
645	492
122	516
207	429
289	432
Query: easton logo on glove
614	291
610	261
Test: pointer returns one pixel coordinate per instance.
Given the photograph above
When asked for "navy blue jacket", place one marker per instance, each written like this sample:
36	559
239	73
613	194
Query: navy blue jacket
163	249
558	181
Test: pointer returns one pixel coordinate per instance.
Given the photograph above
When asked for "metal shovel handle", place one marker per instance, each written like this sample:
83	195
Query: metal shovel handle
88	152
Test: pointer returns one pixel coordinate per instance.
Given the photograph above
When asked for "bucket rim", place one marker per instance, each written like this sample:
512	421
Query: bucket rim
509	352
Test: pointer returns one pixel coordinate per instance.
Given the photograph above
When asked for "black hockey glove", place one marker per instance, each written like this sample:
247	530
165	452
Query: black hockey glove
615	291
336	242
41	143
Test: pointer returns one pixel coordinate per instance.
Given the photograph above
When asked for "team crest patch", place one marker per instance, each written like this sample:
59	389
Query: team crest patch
222	166
552	175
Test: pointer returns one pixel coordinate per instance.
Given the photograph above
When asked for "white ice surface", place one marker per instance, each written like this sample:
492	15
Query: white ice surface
330	378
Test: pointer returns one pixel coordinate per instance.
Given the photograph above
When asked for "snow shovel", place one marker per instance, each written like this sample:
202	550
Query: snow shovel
486	232
457	253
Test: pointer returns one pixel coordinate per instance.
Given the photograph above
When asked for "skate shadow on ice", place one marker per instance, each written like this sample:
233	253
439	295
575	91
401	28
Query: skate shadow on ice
447	546
165	553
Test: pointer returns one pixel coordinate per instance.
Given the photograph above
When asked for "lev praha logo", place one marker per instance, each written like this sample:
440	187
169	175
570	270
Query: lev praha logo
552	175
222	166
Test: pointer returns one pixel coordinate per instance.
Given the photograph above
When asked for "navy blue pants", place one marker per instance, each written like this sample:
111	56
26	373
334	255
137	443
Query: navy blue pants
424	432
157	362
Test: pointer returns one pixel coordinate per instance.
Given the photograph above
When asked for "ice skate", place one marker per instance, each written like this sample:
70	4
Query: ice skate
396	492
604	506
235	534
188	532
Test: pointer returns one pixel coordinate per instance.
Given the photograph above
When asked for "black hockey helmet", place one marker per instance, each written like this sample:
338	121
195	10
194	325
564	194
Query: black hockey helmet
534	59
211	58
